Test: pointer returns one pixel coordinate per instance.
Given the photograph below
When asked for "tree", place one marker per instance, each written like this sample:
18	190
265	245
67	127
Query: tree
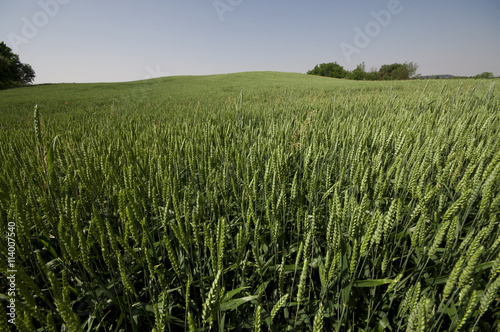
395	71
331	69
12	71
485	75
359	73
372	75
412	69
27	74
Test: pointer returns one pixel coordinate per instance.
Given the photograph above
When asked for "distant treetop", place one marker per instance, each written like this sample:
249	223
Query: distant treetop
331	69
484	75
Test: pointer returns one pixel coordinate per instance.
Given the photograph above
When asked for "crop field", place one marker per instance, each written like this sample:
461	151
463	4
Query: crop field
257	201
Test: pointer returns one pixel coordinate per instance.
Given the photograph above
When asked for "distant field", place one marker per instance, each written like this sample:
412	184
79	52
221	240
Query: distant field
261	200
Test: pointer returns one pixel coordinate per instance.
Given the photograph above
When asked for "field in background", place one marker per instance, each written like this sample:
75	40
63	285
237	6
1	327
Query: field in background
260	200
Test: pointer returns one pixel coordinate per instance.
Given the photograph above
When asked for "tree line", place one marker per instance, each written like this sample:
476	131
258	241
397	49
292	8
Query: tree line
484	75
12	71
395	71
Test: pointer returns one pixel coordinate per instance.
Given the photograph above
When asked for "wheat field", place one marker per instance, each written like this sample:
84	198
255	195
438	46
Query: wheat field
253	201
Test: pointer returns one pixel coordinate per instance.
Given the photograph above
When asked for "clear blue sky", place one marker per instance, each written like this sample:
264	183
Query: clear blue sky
111	40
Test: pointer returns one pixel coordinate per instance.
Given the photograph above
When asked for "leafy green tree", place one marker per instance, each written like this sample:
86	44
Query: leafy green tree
372	75
359	73
395	71
485	75
331	69
12	71
412	69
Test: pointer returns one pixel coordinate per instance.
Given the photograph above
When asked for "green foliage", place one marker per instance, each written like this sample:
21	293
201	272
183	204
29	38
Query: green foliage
12	71
358	74
331	69
372	76
266	201
395	71
485	75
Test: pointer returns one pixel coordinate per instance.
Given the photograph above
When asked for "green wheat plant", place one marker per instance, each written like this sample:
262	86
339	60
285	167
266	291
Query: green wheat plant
253	201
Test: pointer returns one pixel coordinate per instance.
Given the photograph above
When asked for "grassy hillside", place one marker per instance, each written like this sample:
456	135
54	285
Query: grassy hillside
272	90
261	200
185	89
